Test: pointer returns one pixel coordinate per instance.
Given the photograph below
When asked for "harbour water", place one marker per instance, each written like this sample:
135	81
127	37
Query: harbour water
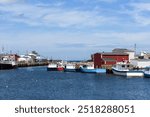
36	83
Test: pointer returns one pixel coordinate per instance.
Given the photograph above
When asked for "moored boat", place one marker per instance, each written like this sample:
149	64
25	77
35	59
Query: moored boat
52	67
147	72
91	69
7	65
70	68
55	67
60	68
125	69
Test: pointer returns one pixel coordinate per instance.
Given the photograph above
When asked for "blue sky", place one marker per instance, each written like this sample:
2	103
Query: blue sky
73	29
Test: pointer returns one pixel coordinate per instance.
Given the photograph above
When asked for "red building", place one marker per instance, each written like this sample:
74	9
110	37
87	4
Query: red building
108	58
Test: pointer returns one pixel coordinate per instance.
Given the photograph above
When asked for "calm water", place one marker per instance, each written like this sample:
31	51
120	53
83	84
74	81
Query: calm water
37	83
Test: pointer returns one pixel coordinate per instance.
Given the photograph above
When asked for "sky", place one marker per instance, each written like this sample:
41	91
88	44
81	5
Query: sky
73	29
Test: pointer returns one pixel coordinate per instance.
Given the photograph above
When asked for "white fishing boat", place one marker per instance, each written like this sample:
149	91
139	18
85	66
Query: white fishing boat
52	67
7	65
147	72
91	69
70	68
126	69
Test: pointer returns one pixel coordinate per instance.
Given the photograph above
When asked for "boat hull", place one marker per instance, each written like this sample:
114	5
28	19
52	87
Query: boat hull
128	73
51	69
147	75
7	66
60	69
85	70
78	70
69	70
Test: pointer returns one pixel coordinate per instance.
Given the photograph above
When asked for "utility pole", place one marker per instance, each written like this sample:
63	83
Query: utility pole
135	48
2	49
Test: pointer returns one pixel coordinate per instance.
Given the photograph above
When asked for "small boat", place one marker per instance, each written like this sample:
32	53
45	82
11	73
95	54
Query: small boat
70	68
7	65
91	69
55	67
125	69
60	68
147	72
52	67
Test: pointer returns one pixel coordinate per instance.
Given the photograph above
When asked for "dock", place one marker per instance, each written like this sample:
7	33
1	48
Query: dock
32	64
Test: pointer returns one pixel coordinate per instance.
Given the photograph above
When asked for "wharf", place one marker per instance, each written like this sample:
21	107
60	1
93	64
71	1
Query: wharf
81	63
108	68
32	64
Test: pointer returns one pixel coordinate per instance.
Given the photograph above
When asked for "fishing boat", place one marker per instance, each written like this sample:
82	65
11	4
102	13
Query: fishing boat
7	65
60	68
147	72
126	69
52	67
70	68
56	66
91	69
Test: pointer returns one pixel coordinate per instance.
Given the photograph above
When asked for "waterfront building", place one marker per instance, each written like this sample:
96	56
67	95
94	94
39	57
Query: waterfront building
106	59
144	55
131	53
140	63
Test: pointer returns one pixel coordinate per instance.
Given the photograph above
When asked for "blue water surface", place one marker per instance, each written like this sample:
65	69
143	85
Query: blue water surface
36	83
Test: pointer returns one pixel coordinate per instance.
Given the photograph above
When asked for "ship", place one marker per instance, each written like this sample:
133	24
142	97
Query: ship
125	69
147	72
4	65
55	67
91	69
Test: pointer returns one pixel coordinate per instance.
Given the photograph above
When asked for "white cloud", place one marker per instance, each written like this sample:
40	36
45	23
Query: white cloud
75	18
109	1
141	6
58	44
96	1
46	15
53	16
7	1
140	12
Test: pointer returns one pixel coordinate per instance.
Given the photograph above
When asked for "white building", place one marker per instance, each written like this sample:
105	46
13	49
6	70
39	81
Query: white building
131	53
141	63
144	55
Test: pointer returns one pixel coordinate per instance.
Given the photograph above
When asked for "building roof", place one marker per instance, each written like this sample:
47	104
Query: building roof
112	53
121	50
